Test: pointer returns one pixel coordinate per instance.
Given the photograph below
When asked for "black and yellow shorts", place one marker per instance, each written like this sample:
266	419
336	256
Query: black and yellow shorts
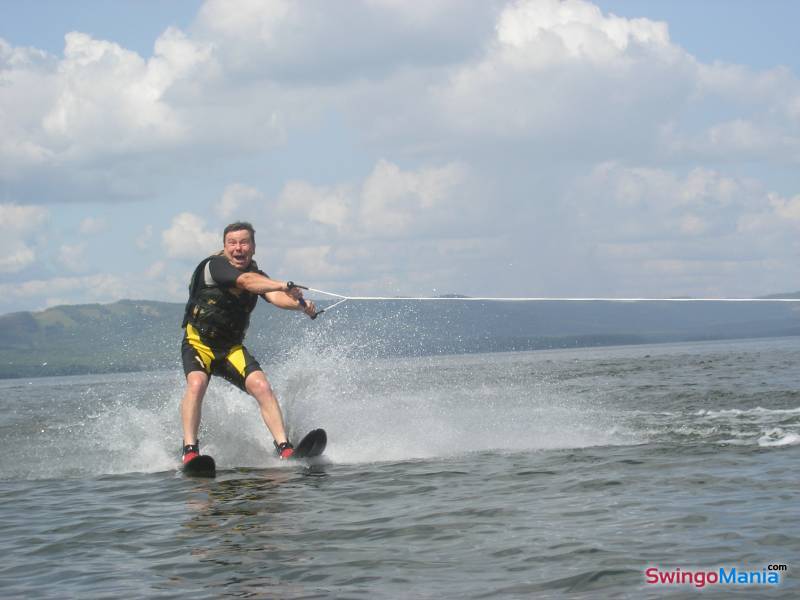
234	363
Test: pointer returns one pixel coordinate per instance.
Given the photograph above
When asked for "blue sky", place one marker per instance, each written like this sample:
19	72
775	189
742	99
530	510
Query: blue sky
527	148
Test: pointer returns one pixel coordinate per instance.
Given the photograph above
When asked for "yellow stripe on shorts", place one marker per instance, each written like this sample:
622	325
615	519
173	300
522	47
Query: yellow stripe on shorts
204	352
237	359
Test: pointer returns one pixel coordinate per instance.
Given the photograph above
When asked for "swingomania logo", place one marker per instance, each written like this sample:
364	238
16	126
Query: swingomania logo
770	575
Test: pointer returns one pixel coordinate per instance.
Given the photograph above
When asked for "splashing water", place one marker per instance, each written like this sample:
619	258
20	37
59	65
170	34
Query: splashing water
392	409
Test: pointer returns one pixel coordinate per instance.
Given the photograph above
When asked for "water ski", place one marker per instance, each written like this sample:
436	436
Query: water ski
200	466
313	444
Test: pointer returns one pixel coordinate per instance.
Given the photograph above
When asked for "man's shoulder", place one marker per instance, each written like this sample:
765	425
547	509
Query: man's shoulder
217	260
253	268
222	272
225	274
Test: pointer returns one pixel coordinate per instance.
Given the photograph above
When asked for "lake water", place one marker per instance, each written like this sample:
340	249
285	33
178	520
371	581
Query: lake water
573	473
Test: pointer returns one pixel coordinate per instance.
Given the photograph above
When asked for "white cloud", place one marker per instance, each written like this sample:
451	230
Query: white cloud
26	92
560	68
324	42
396	202
564	69
92	225
409	222
568	82
258	21
559	77
98	287
108	99
652	231
89	123
330	206
14	260
759	138
73	256
97	102
318	262
19	235
536	32
187	238
635	203
692	225
389	203
144	239
787	209
157	282
15	217
156	270
236	197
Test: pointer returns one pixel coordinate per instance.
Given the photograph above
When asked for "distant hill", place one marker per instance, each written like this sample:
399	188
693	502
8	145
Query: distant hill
124	336
784	295
144	335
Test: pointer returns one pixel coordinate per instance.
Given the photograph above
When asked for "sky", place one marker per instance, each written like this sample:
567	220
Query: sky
614	148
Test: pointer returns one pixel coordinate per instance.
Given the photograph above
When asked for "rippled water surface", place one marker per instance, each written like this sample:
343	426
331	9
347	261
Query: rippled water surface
541	474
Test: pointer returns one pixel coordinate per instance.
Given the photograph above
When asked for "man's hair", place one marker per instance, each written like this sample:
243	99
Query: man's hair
239	226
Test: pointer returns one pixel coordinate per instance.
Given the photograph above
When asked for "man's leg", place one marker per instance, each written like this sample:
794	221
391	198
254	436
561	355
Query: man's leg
257	386
191	405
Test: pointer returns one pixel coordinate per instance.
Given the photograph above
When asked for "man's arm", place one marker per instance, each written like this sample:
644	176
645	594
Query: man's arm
256	283
276	292
292	300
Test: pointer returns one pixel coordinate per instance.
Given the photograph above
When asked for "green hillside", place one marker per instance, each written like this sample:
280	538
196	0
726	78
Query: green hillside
143	335
124	336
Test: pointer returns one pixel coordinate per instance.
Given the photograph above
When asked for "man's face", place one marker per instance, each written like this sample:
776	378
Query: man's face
239	248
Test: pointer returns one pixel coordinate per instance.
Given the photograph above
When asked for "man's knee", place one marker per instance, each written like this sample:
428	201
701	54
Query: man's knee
196	383
257	385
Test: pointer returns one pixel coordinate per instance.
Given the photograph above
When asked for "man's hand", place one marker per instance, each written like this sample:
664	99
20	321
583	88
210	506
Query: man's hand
309	308
296	292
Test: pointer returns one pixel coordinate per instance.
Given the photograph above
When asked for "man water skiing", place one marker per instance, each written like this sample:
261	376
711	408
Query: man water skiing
223	292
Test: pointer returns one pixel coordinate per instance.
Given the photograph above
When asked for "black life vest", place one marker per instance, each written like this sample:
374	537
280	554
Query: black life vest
218	314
